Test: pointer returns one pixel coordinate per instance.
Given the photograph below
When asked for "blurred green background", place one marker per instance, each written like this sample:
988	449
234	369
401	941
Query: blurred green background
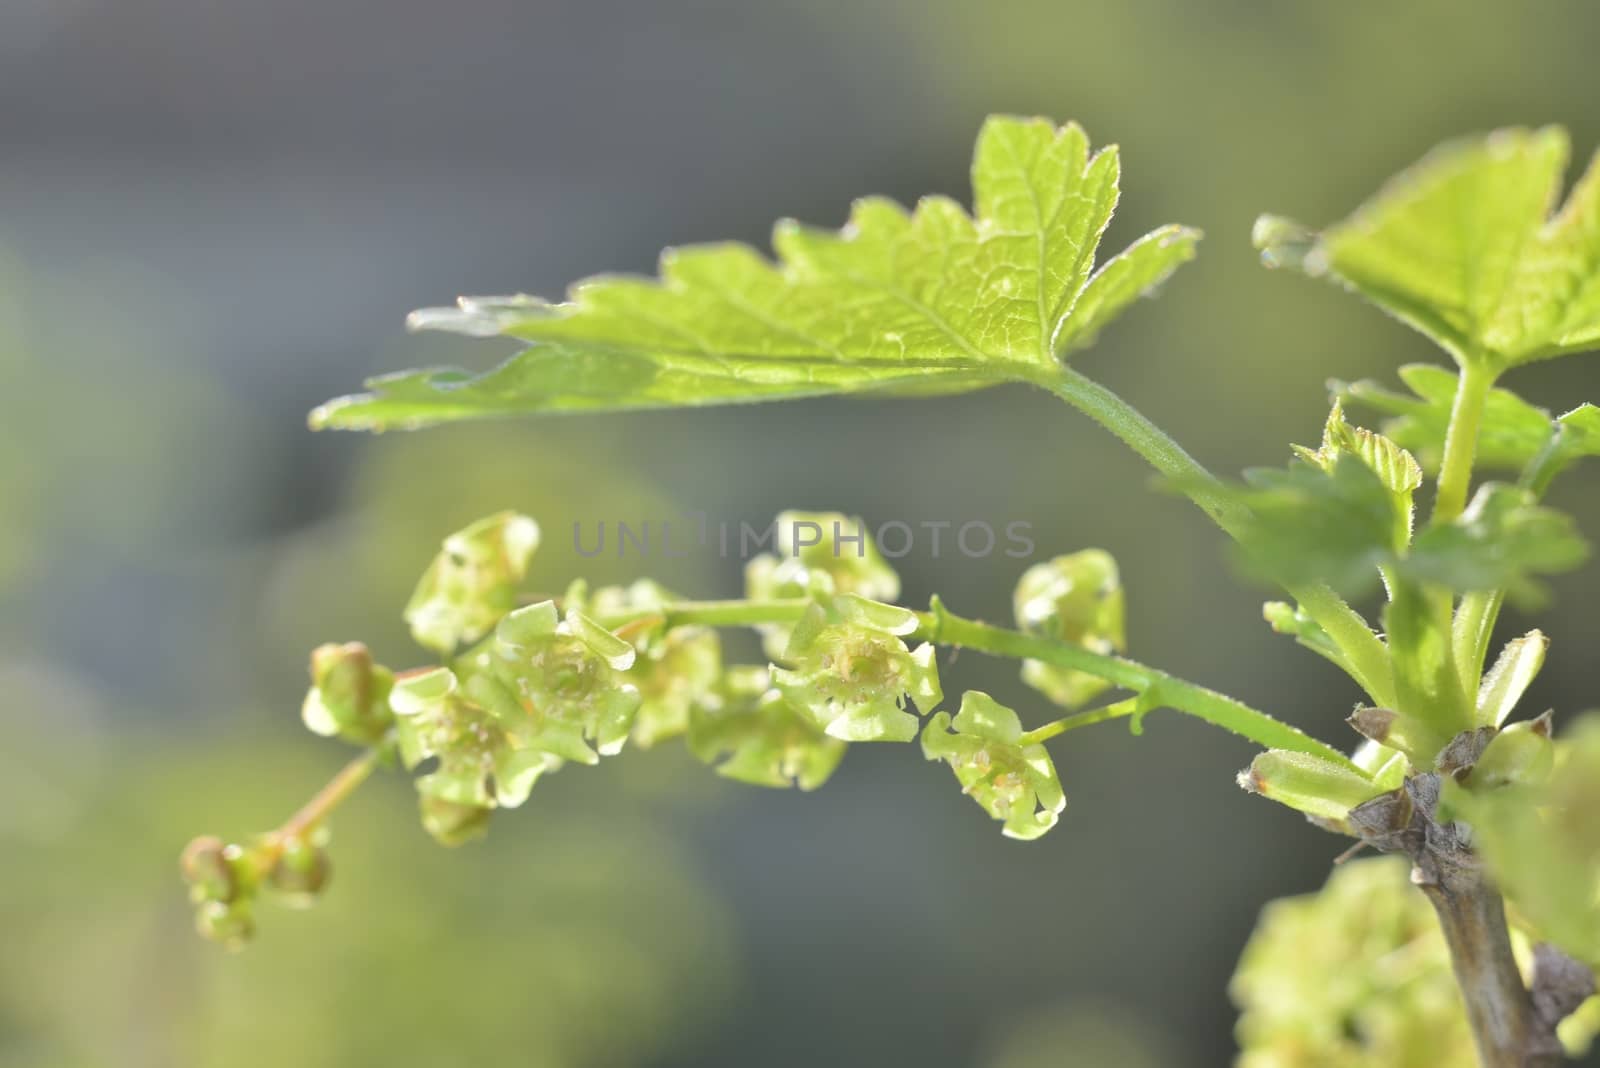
214	216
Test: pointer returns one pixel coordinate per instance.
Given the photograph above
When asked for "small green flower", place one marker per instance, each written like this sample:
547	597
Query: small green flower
1077	599
767	741
675	668
557	684
1013	782
480	763
853	674
349	694
817	554
472	583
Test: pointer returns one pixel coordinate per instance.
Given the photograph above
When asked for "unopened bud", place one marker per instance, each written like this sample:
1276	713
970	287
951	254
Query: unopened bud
228	924
349	694
451	823
301	871
207	870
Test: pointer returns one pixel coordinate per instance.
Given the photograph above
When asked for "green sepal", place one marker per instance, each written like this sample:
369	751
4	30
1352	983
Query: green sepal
1011	781
843	560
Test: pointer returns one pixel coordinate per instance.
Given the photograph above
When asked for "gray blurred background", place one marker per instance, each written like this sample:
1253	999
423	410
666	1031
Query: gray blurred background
215	215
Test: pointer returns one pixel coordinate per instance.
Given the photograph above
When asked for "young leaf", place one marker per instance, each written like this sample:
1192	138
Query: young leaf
1309	524
929	300
1510	433
1504	684
1462	248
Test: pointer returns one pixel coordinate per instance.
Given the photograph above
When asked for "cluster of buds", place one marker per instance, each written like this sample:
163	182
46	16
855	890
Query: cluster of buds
852	673
225	879
1078	599
1013	780
817	554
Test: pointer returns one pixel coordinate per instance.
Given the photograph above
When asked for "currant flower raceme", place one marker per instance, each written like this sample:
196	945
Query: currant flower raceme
1078	599
997	767
852	673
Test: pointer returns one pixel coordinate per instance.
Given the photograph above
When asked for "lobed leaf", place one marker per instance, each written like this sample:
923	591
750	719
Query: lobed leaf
931	300
1462	247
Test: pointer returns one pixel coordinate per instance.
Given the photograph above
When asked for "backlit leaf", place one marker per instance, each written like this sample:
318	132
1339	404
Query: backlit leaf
930	300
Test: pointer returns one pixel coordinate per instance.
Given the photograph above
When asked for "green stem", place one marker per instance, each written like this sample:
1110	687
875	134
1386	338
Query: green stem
1156	687
311	814
1475	619
1461	441
942	627
1364	656
1116	710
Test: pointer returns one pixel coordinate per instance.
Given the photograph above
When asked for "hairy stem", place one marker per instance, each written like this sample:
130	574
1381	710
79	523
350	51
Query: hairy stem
1088	718
942	627
1362	652
1461	441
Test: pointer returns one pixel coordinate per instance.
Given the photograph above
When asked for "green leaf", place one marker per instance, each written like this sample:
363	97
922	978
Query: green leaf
1510	433
933	300
1306	524
1543	842
1504	684
1462	247
1319	788
1501	540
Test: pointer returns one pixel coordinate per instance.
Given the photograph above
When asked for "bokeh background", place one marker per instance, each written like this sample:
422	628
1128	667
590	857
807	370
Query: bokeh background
215	215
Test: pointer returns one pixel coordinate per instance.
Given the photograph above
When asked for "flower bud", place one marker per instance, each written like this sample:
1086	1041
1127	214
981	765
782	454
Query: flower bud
1078	599
301	870
208	871
230	924
450	823
349	694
